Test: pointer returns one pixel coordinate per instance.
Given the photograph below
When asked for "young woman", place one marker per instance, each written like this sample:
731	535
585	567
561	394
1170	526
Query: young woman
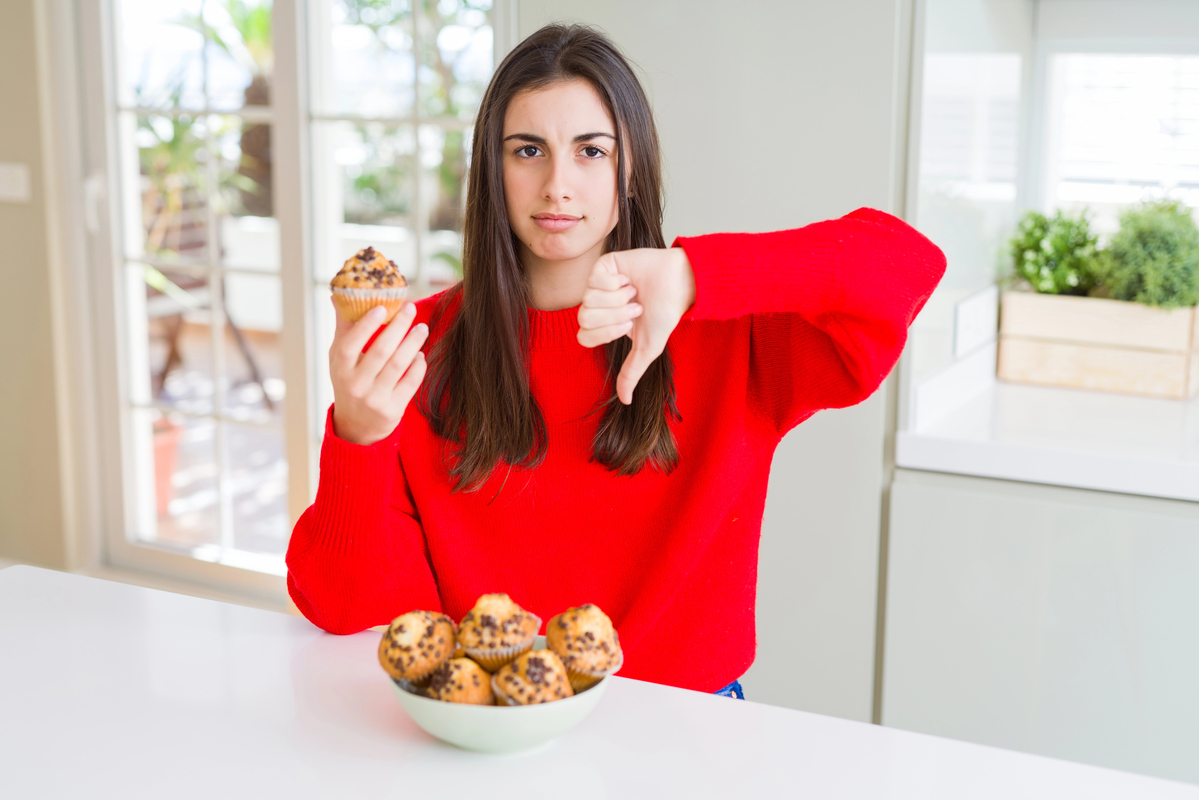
599	412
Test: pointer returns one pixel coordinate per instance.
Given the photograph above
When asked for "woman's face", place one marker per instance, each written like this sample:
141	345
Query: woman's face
560	170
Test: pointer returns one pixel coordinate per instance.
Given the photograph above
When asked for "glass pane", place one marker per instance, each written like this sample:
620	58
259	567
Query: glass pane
970	118
443	191
184	497
160	53
365	174
1128	131
249	234
169	184
253	356
194	53
256	471
370	69
171	343
241	53
456	56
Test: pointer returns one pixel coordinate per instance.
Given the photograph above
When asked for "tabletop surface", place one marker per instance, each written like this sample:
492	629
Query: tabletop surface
112	690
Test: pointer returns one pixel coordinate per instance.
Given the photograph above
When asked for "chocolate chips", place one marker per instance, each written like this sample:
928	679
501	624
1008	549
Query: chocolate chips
366	255
442	676
536	671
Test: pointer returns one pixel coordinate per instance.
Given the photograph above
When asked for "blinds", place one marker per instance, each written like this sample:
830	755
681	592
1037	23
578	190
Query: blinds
1121	129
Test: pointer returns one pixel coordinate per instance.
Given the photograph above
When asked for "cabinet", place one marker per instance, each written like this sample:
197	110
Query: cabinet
1056	621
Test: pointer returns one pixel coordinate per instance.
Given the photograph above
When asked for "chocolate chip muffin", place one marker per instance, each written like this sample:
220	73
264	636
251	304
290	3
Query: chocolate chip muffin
415	644
461	680
588	645
535	677
365	281
496	631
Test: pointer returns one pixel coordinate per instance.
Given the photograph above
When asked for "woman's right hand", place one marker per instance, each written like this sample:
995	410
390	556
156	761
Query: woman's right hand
372	389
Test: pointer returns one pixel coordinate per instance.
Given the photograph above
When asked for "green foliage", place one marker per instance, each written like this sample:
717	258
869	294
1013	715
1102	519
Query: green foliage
252	23
449	258
1057	255
1154	257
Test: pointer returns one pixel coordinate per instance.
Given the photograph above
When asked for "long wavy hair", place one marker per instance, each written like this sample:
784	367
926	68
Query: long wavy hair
476	394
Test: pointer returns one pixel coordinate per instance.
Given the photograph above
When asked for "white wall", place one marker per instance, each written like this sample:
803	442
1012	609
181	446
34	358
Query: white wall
773	115
31	513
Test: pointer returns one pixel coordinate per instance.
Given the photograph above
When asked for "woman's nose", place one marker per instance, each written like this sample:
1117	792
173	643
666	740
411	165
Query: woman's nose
557	186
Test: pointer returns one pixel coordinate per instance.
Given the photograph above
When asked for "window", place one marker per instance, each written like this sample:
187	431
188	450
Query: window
200	266
200	289
1019	110
392	106
1123	128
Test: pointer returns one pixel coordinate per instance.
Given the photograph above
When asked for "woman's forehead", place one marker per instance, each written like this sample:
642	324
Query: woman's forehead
562	111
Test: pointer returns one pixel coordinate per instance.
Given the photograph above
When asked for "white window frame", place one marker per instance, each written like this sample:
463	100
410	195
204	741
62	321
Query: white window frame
82	146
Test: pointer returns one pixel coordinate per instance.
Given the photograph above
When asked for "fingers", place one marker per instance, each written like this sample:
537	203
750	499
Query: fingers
402	358
408	385
591	318
604	275
351	337
385	345
609	333
602	298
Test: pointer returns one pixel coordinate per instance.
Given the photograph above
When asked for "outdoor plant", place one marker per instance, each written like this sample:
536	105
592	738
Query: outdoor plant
1055	255
1154	257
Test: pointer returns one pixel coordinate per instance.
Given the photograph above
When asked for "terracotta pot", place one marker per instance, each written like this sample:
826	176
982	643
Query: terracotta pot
166	451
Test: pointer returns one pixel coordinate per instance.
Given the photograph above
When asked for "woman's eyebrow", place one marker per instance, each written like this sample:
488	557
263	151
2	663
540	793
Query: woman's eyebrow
587	137
525	137
582	137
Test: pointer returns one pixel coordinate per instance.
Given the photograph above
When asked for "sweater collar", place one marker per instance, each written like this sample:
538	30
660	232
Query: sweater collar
558	328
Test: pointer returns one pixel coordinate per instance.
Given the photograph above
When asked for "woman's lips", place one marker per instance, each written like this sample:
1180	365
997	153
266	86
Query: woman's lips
556	223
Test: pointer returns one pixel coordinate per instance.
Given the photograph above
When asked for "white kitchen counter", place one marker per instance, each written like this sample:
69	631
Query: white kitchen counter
117	691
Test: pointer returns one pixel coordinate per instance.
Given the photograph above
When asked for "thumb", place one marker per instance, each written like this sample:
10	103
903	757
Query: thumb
635	365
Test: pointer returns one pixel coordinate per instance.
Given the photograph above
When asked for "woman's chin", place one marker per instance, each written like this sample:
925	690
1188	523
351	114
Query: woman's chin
555	248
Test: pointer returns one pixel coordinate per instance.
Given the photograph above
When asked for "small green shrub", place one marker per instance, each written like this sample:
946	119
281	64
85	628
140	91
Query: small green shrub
1057	255
1154	257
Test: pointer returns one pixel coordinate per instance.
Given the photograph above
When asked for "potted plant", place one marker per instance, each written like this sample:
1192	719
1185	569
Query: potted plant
166	451
1120	319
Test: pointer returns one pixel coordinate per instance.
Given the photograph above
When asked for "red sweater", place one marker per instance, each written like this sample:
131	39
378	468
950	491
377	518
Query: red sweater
784	324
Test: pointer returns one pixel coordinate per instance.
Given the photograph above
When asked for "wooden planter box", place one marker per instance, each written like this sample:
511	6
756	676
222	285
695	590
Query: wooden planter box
1106	345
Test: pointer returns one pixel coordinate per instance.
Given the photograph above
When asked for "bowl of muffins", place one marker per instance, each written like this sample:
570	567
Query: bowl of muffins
493	685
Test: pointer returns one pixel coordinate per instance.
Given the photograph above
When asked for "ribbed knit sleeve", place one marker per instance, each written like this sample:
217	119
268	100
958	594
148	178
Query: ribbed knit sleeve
358	555
830	304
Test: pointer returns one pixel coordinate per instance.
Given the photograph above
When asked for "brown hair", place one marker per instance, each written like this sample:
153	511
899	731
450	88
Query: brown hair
476	394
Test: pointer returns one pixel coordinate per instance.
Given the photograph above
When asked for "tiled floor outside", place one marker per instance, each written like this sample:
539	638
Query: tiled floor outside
188	455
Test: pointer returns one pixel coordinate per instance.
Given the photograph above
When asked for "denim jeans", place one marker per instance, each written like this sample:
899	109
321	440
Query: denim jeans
732	690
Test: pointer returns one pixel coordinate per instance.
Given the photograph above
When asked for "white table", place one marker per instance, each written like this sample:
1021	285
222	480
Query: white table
111	690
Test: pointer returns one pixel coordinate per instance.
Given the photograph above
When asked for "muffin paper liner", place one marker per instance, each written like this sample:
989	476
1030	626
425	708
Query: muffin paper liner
353	303
582	680
413	687
491	660
501	699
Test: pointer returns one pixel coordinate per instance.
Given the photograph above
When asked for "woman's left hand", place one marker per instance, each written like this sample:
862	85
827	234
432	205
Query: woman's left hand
641	294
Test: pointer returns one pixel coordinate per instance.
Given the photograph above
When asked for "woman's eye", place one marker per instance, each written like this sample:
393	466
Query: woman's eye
528	151
591	151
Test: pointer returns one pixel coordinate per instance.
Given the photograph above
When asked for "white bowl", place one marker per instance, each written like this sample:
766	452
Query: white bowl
499	729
